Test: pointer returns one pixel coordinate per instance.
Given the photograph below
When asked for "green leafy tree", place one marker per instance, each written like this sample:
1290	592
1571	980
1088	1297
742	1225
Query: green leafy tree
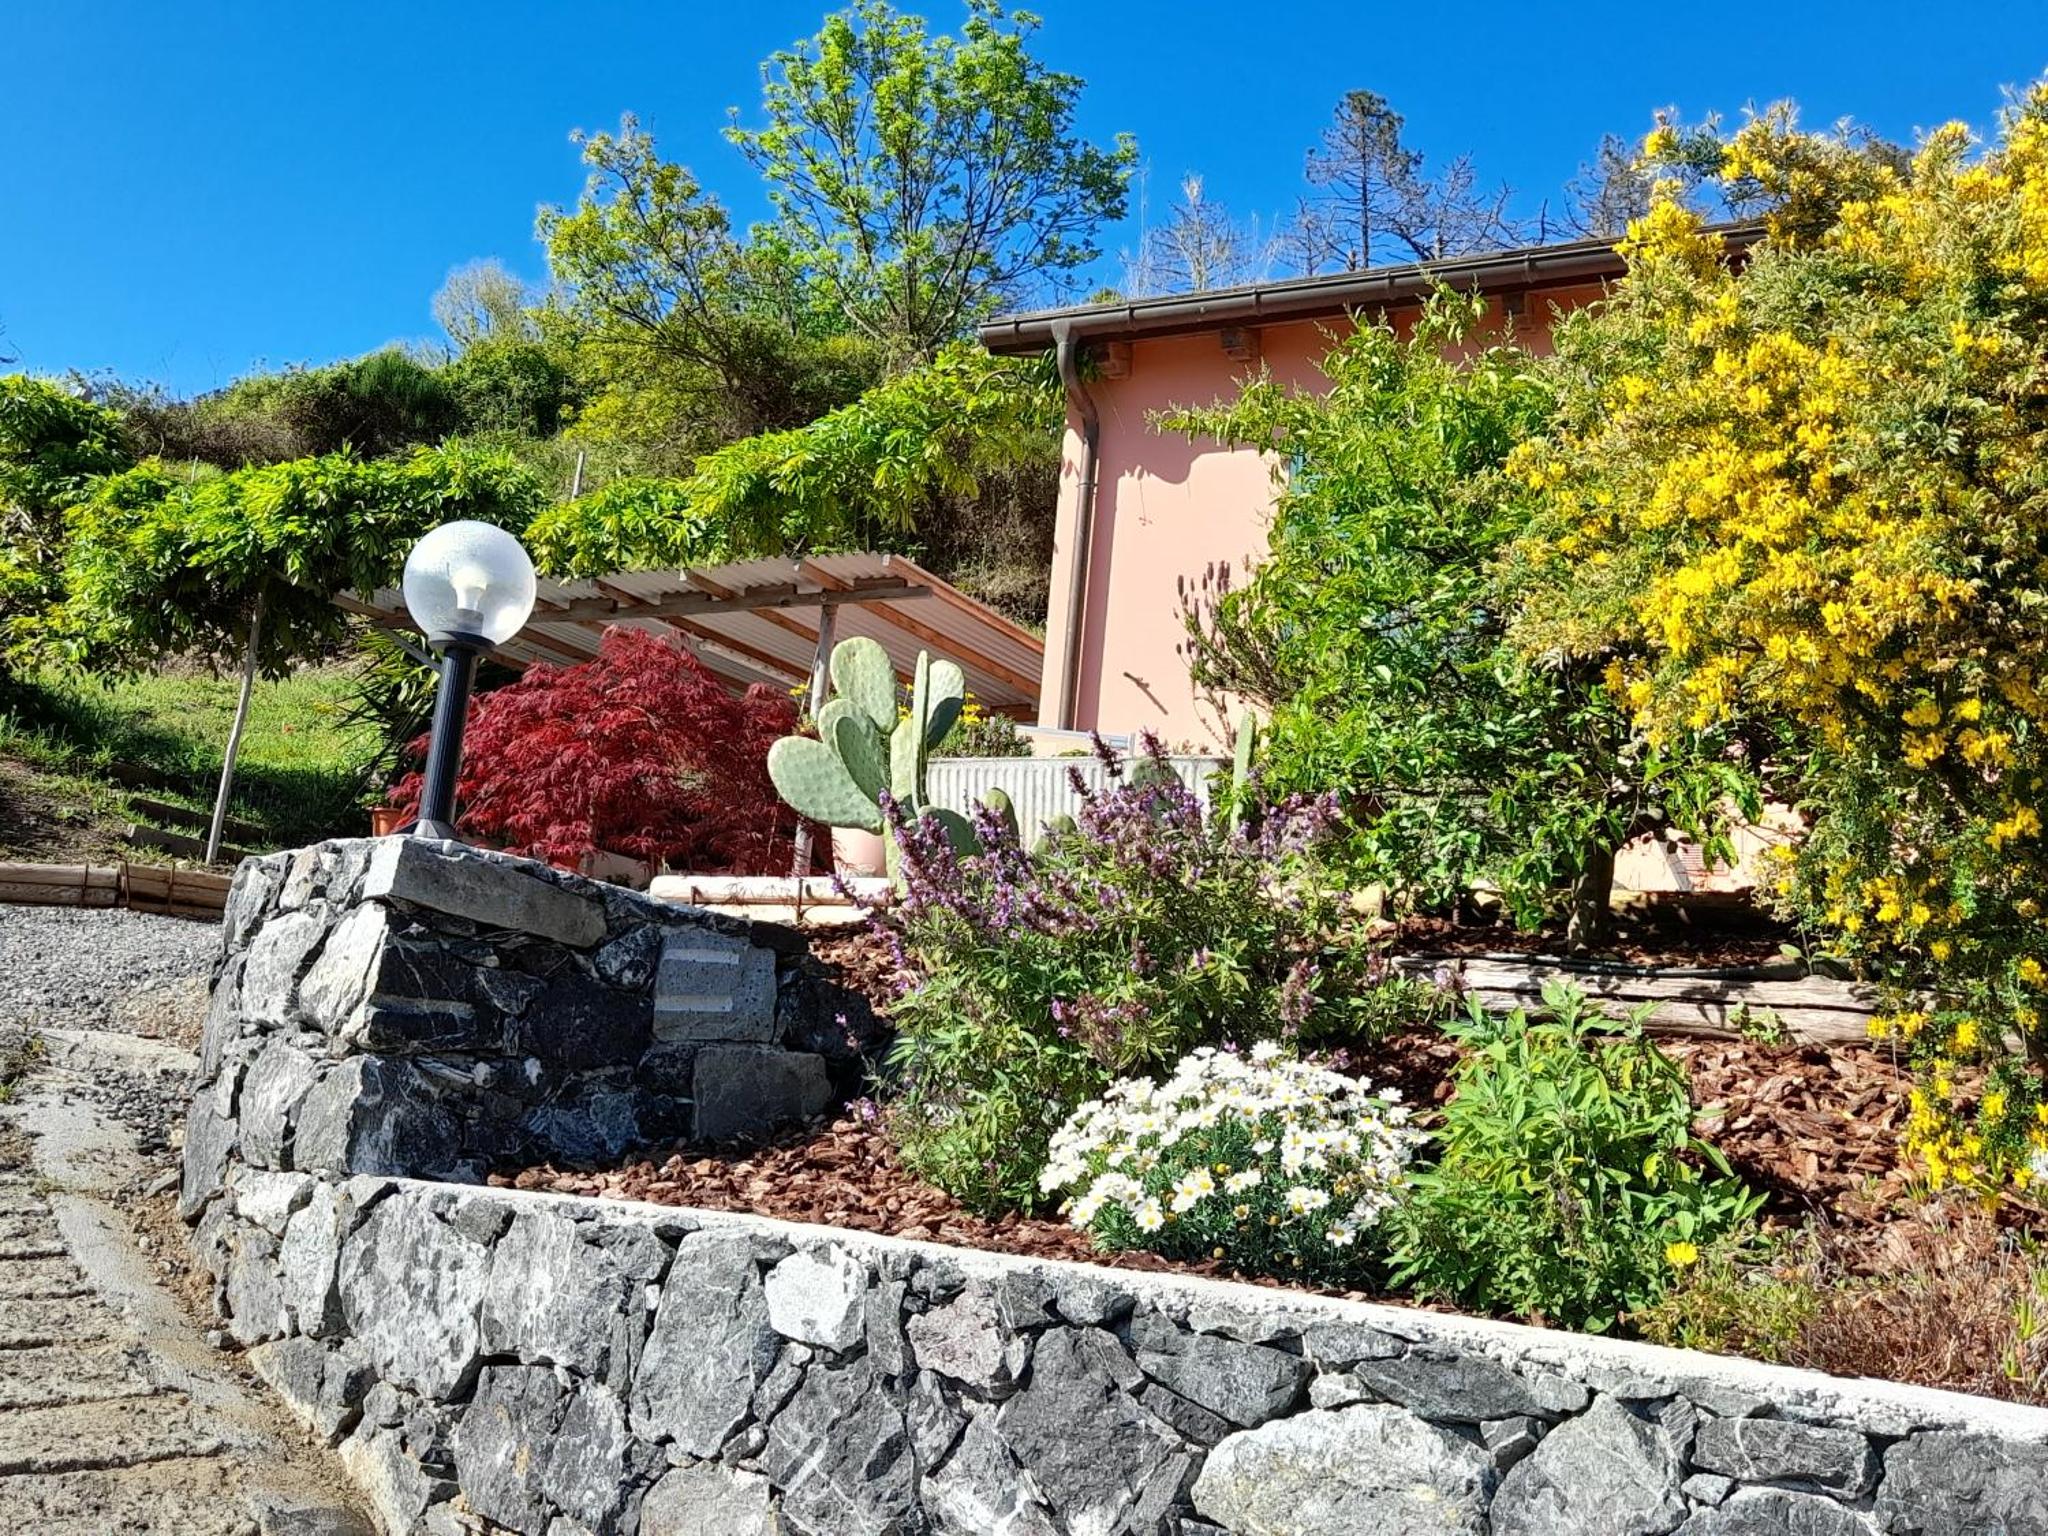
926	180
1375	633
695	336
54	445
161	564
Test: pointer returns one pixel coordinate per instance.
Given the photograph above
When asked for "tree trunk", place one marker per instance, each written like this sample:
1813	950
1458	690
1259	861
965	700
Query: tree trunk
234	747
1592	912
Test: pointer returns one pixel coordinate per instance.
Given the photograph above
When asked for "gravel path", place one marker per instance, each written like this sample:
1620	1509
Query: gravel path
135	972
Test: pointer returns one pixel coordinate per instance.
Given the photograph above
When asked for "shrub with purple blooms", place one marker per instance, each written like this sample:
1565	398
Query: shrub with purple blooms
1039	978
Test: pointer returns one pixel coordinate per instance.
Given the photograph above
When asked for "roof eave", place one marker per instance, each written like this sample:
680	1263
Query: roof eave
1314	298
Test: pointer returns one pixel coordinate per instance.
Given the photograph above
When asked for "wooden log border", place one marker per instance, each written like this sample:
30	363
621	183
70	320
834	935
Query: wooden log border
1730	1003
196	893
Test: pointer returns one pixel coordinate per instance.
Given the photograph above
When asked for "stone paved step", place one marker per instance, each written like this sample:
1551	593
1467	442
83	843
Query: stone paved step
28	1279
34	1378
31	1223
29	1324
84	1437
32	1247
165	1498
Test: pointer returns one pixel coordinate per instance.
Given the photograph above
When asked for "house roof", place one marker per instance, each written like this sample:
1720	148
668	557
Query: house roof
756	621
1314	298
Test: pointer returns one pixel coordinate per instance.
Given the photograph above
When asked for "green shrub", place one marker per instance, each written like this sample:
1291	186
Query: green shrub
1568	1183
1734	1301
1275	1166
1040	979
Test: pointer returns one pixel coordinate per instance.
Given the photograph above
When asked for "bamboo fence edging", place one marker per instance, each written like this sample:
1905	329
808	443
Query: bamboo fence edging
160	888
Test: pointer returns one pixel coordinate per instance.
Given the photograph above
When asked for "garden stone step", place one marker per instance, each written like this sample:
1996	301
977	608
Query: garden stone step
177	1498
82	1437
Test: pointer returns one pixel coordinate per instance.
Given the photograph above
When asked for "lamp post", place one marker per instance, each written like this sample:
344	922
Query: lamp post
469	587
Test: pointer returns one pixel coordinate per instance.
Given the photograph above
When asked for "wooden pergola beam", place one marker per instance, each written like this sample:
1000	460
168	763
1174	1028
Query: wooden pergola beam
930	636
701	604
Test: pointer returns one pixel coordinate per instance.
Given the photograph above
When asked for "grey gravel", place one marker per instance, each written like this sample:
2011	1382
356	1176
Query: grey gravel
135	972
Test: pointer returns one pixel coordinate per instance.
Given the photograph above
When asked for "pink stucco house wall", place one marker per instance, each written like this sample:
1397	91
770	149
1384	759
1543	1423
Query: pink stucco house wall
1142	512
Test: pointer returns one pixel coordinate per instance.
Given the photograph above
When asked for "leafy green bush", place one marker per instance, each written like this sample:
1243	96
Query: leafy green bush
1277	1166
1040	979
1734	1301
1568	1182
1375	633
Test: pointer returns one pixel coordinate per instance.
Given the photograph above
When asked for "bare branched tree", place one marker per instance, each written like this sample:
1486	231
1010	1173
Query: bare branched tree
1200	246
1364	174
1608	192
1375	201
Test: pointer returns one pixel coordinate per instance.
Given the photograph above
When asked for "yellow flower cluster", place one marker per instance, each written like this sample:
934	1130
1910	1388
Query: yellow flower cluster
1812	489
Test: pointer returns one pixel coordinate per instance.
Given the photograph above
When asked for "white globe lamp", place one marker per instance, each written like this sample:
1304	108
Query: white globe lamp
470	588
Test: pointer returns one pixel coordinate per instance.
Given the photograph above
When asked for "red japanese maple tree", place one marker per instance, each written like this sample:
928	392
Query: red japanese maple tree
639	751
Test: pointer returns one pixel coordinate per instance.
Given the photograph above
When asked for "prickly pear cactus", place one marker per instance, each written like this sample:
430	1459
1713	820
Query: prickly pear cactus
864	748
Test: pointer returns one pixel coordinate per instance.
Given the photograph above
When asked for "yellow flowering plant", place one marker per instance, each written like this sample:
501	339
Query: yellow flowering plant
1809	489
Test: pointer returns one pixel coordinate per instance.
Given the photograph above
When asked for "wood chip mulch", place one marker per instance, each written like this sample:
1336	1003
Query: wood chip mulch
843	1175
1817	1129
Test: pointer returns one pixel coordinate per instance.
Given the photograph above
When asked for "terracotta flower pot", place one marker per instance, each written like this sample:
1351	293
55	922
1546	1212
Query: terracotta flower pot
385	820
856	853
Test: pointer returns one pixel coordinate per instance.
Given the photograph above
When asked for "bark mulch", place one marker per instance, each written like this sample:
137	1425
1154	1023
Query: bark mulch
1818	1129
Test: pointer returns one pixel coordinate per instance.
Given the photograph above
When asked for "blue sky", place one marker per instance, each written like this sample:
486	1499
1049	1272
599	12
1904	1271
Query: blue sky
190	190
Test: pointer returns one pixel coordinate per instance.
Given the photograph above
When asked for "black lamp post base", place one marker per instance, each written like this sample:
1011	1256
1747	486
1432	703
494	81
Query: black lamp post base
445	831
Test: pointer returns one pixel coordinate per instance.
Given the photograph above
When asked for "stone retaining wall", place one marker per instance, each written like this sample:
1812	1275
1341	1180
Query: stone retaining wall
559	1366
500	1360
402	1006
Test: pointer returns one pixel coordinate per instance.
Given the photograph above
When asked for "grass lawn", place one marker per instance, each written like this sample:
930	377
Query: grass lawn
298	777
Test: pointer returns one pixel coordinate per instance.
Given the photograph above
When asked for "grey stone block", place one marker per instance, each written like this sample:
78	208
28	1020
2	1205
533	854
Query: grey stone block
819	1298
309	1260
1775	1512
840	1452
278	956
1091	1448
1775	1451
1245	1383
965	1341
708	1499
493	890
576	1025
1606	1471
710	1347
412	1289
1950	1483
710	987
555	1299
210	1138
323	1385
1466	1390
1369	1470
744	1091
273	1092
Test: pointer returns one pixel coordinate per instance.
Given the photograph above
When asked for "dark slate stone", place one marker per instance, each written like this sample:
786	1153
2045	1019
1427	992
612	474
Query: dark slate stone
429	1025
375	1114
1462	1389
1774	1512
1195	1423
1245	1383
594	1124
1950	1483
1775	1451
510	992
1091	1448
630	960
840	1452
593	1467
579	1025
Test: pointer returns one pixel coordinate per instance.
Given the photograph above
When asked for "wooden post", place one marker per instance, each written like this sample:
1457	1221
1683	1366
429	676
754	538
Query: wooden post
227	767
814	700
